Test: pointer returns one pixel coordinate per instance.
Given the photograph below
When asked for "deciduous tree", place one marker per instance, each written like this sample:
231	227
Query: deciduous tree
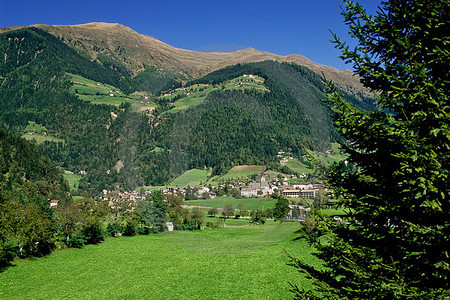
228	210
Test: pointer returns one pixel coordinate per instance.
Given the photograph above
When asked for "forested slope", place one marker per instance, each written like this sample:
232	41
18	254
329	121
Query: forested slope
34	88
247	127
28	180
116	145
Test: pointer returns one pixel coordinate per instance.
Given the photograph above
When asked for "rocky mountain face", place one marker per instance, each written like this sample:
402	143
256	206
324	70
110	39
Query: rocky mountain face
137	52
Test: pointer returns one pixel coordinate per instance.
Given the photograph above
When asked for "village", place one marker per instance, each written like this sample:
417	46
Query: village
300	195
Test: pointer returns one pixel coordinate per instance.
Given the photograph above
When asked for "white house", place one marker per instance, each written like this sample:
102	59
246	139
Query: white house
302	186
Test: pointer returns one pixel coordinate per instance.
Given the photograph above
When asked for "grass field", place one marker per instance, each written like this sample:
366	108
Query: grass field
196	94
72	179
192	178
336	155
242	171
229	222
41	138
297	166
39	134
249	203
226	263
32	127
99	93
235	222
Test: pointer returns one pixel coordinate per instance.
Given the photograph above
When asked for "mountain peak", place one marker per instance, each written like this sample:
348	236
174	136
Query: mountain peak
100	25
138	52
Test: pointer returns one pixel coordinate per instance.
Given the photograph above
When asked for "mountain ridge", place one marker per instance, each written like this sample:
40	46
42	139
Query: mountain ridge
137	52
226	127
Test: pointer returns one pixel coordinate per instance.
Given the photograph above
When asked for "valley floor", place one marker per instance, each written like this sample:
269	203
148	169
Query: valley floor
225	263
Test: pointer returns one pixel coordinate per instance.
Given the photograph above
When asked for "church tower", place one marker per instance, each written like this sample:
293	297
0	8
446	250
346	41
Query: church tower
263	176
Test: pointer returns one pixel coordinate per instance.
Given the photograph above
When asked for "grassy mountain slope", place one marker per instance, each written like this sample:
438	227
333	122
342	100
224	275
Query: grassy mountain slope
122	48
35	88
225	125
232	127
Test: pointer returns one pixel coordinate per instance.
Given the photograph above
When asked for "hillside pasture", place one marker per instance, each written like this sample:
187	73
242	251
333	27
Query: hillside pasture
226	263
192	178
336	155
99	93
41	138
242	172
196	94
33	127
72	179
187	102
297	166
39	134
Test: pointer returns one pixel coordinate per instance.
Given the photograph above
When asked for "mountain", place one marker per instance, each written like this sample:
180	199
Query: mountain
218	121
35	88
137	52
250	126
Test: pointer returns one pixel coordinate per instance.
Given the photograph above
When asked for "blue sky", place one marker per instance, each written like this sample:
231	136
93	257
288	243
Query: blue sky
282	27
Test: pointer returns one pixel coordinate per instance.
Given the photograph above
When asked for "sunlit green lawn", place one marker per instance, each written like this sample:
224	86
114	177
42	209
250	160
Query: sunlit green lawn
249	203
229	263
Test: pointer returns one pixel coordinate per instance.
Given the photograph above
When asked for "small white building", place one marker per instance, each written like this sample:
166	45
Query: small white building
302	186
169	226
54	203
203	190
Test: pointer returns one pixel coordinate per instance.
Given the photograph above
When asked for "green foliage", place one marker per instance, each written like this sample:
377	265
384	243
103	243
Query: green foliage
281	208
27	180
114	228
213	211
153	211
228	210
79	222
156	81
395	244
258	217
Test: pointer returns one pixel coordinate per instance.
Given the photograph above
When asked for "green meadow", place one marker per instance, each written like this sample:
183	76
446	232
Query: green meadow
197	93
33	127
39	134
242	171
72	179
41	138
99	93
193	178
225	263
297	166
232	221
249	203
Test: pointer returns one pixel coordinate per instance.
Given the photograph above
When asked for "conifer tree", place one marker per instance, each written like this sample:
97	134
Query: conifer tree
395	244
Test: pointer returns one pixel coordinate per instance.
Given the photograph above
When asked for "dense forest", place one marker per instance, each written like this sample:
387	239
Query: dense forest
248	127
119	146
28	181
